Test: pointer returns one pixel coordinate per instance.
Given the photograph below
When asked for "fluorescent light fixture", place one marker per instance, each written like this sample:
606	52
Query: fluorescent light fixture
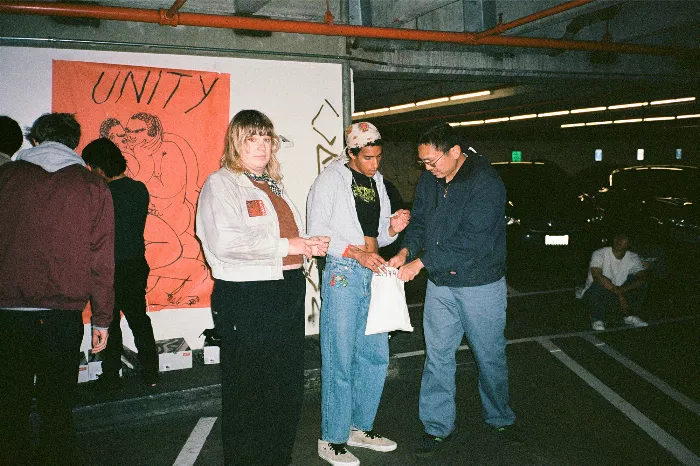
356	114
587	110
597	123
636	104
598	154
631	120
549	114
471	95
672	101
496	120
664	118
377	110
432	101
472	122
683	117
640	154
523	117
679	154
453	124
573	125
401	107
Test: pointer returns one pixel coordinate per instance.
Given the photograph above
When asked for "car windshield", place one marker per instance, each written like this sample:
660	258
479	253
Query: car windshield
658	181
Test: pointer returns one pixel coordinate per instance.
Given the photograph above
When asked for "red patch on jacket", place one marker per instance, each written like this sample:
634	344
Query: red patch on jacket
256	208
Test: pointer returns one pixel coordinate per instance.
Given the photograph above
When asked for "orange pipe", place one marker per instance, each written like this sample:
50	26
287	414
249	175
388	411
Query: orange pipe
305	27
503	27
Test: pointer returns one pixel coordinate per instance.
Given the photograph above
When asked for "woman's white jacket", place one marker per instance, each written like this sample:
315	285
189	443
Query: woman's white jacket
239	230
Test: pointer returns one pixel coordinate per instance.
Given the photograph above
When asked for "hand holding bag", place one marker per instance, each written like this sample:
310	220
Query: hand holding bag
387	307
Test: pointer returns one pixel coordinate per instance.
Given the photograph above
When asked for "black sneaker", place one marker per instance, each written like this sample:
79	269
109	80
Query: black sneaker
509	434
429	444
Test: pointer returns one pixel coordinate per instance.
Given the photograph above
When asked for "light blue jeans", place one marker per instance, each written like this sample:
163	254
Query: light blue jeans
354	365
449	313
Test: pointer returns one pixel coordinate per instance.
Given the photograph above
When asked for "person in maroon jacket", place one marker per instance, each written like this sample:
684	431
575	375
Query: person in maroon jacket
56	253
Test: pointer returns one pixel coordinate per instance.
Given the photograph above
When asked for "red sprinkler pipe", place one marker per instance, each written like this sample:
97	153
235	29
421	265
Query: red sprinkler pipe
321	29
503	27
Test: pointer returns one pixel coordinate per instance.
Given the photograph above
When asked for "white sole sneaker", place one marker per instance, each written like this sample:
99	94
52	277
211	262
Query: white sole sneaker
359	438
334	457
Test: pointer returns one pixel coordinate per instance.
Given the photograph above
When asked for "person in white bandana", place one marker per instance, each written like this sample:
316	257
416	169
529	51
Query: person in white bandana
348	203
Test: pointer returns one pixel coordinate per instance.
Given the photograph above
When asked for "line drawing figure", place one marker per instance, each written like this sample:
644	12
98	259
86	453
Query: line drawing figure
168	166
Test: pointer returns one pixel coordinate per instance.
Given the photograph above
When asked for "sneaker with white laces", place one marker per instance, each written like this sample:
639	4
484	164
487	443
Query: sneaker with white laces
336	454
370	439
634	321
598	325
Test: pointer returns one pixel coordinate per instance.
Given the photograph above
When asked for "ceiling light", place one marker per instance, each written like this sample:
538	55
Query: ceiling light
681	117
631	120
589	109
549	114
672	101
660	118
637	104
453	124
471	95
596	123
573	125
496	120
401	107
356	114
523	117
377	110
432	101
472	122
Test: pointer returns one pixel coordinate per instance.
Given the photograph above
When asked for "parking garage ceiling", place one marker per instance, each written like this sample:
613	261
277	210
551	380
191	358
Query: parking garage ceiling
534	57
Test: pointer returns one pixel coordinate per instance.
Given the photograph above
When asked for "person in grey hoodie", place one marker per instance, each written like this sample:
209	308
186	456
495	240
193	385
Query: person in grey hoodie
348	202
56	254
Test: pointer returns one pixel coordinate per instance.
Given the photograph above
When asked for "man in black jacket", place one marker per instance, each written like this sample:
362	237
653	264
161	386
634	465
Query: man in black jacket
458	233
131	269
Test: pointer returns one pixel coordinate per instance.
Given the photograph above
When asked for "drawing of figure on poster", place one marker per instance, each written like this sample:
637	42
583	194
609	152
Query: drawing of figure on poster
158	159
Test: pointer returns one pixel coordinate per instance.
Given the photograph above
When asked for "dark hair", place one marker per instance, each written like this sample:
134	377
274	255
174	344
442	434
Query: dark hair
107	125
56	127
356	150
443	137
105	155
152	123
10	135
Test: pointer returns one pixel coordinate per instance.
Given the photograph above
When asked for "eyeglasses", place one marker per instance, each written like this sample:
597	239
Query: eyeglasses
433	164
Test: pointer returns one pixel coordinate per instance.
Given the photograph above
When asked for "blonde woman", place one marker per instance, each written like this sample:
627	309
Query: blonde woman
250	232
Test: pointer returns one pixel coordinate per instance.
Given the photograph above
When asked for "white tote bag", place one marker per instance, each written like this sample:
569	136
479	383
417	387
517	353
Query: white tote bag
387	306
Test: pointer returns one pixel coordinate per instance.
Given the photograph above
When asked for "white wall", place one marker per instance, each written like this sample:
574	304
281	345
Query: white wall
292	94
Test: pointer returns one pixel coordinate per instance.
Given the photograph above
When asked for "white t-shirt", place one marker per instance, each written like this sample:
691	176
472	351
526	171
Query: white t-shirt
617	270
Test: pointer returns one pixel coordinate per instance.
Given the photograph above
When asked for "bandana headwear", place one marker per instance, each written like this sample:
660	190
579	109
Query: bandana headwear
360	134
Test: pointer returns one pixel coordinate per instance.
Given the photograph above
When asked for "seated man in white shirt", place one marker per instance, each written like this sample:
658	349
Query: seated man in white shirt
616	278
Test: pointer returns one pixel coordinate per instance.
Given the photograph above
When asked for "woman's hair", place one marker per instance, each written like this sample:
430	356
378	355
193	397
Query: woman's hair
243	125
105	155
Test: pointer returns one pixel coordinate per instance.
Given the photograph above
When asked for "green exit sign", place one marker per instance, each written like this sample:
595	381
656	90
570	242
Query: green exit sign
516	156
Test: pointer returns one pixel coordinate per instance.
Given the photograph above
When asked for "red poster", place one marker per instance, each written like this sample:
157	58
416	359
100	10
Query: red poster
170	125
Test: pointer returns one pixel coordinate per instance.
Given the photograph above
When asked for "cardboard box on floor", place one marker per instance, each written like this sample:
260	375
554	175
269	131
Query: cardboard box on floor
174	354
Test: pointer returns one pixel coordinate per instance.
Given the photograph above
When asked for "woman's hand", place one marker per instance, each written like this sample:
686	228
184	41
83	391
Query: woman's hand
300	246
320	245
399	221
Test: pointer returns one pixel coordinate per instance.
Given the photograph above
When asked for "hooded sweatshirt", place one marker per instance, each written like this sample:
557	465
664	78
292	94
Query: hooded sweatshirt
56	234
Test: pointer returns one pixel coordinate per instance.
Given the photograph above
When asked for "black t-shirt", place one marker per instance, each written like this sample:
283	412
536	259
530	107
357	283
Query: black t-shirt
130	199
367	206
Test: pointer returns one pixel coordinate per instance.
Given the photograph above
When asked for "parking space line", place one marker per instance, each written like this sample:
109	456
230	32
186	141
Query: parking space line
189	453
687	402
663	438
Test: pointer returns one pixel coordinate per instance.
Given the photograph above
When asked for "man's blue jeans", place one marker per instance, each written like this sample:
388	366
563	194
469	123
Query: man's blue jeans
354	365
449	313
600	300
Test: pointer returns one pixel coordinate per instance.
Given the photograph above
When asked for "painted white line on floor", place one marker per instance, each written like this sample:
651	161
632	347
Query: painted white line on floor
666	440
189	453
687	402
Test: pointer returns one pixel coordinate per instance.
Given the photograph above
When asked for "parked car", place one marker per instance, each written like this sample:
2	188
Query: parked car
548	223
658	205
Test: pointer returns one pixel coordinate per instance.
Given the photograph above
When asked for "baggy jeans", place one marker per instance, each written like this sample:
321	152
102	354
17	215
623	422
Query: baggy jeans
449	314
354	365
